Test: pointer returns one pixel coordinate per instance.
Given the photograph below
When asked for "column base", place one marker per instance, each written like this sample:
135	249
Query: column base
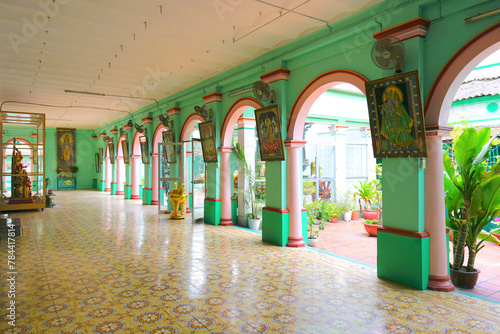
295	242
226	222
107	190
135	197
120	192
440	283
154	202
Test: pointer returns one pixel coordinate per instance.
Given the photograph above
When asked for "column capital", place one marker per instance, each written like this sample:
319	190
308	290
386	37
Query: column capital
212	97
276	75
135	156
173	111
438	131
107	158
102	134
119	157
113	131
34	135
147	120
128	127
223	149
295	143
154	155
94	137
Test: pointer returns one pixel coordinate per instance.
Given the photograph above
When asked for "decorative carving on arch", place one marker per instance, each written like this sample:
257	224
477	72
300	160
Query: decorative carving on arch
438	104
232	116
313	90
188	126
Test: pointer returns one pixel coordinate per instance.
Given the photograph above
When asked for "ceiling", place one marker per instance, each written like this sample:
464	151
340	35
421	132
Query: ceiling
147	49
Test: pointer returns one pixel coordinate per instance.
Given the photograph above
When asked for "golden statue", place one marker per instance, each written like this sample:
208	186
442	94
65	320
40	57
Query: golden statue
178	196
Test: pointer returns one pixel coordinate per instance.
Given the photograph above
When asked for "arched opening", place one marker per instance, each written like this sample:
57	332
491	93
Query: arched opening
239	127
449	100
157	138
122	159
137	167
329	156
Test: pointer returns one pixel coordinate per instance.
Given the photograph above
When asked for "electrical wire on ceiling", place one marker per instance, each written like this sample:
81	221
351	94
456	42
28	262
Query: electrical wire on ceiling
58	106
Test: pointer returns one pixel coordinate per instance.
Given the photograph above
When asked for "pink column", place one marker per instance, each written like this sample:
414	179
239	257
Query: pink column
225	186
187	186
108	175
135	177
435	223
119	175
154	182
294	202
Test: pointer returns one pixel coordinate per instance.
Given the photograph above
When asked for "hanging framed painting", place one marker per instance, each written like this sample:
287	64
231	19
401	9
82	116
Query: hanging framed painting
66	149
111	149
396	118
207	136
269	132
169	147
144	149
97	163
126	156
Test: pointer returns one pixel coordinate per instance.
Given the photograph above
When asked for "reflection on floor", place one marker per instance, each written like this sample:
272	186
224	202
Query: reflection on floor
98	264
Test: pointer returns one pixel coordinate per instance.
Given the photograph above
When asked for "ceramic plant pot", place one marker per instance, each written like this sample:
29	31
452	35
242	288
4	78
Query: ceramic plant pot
355	215
371	229
370	214
348	216
333	219
462	279
254	224
312	242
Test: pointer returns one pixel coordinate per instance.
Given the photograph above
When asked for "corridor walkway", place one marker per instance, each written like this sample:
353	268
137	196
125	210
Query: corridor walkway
98	264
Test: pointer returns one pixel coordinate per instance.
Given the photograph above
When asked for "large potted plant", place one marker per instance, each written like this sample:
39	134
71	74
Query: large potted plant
250	193
366	191
472	200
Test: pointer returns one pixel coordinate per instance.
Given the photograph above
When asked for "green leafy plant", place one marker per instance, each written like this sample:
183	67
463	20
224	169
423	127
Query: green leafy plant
366	191
472	194
308	188
372	222
313	227
250	193
346	202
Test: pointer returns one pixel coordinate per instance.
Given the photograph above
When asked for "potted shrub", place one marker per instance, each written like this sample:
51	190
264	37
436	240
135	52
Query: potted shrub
346	205
366	191
371	227
250	193
333	212
313	229
472	200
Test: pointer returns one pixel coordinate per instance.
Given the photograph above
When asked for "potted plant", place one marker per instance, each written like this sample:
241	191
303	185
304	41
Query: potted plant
472	200
308	189
346	205
366	191
371	226
250	193
313	229
332	212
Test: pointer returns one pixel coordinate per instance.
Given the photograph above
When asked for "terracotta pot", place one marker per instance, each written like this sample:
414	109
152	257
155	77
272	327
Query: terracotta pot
370	214
312	242
333	219
371	229
462	279
355	215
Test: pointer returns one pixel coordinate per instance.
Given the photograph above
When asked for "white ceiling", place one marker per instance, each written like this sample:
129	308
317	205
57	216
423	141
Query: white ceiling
112	47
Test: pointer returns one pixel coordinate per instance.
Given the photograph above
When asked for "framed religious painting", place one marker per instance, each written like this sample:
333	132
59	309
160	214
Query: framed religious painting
100	157
269	133
97	163
169	147
396	118
207	136
66	149
126	156
111	151
144	149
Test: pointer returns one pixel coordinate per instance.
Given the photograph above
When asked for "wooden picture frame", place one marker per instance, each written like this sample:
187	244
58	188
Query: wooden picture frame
396	119
268	125
97	163
35	156
144	149
126	155
168	139
111	149
207	136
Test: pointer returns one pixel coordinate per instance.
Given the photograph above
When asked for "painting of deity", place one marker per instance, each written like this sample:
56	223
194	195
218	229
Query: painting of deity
207	135
396	118
144	149
111	149
126	156
169	147
269	132
66	149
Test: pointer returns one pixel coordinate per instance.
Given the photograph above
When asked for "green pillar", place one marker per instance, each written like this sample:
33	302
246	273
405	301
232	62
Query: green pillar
402	244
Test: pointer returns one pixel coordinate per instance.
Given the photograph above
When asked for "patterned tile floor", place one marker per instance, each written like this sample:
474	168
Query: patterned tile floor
98	264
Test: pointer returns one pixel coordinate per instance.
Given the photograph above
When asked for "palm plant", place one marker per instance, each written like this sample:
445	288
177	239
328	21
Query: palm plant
472	194
366	191
248	194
